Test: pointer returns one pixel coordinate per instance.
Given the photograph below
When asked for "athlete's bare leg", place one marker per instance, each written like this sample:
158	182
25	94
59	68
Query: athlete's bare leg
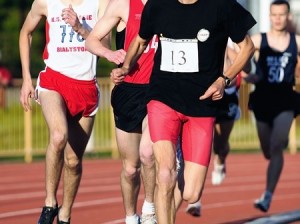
194	179
148	162
79	134
165	181
128	145
65	148
54	111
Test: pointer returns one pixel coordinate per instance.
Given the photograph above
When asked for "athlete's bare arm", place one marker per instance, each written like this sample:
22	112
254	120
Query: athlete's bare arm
246	51
103	5
115	14
136	49
232	53
216	90
70	17
37	12
256	39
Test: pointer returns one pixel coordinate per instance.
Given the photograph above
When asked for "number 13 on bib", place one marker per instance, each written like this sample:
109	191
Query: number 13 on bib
180	55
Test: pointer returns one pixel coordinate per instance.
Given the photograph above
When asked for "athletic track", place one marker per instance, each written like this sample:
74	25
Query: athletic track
99	200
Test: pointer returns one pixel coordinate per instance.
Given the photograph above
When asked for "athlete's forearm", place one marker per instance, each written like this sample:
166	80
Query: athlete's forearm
81	30
136	49
243	56
24	46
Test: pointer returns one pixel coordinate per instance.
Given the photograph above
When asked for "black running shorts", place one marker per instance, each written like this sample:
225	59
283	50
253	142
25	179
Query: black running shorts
129	106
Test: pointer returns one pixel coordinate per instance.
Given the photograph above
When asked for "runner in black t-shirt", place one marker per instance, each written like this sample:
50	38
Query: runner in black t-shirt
187	79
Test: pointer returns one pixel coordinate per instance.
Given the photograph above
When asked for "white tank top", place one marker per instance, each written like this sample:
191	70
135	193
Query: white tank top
65	49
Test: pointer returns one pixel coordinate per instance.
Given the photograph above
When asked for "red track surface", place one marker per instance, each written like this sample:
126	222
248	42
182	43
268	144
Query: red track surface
99	199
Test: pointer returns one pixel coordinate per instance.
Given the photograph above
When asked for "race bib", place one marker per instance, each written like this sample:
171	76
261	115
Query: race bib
180	55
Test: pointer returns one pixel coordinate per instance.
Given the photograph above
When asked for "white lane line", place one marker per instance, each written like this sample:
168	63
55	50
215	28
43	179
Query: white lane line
76	205
42	193
119	200
116	187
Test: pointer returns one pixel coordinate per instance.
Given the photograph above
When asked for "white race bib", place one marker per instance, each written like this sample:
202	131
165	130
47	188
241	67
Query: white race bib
180	55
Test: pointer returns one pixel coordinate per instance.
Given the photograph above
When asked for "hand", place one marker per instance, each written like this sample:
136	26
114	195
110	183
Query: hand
26	93
116	57
117	75
215	91
70	17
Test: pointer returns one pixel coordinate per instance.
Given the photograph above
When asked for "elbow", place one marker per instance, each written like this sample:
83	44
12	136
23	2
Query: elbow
251	47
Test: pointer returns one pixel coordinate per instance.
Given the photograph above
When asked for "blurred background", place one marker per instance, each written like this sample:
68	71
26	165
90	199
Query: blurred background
24	136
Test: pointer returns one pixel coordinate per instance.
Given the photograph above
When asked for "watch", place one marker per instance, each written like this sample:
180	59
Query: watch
227	80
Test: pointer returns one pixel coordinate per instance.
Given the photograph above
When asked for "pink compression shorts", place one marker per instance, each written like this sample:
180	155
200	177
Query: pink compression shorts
197	132
80	96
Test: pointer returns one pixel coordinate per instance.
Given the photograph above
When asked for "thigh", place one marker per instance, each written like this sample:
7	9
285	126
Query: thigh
128	145
54	111
264	134
164	122
197	136
146	150
281	129
79	132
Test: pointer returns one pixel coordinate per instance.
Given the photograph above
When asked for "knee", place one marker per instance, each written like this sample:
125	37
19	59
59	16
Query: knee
192	191
147	156
267	155
73	163
276	149
58	139
166	179
191	196
131	172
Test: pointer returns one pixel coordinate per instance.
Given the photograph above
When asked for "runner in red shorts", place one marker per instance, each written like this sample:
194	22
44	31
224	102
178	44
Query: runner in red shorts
67	91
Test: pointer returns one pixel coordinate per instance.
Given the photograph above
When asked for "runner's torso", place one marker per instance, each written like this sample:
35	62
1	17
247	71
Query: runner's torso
141	73
65	49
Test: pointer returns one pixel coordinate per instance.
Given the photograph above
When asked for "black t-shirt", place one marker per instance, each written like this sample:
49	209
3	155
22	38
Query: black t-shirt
192	40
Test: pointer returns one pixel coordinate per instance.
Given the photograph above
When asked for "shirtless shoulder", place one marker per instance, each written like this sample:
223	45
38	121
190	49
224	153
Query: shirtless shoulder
39	8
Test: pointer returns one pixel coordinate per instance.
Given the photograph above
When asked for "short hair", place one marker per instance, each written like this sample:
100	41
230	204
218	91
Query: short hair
281	2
